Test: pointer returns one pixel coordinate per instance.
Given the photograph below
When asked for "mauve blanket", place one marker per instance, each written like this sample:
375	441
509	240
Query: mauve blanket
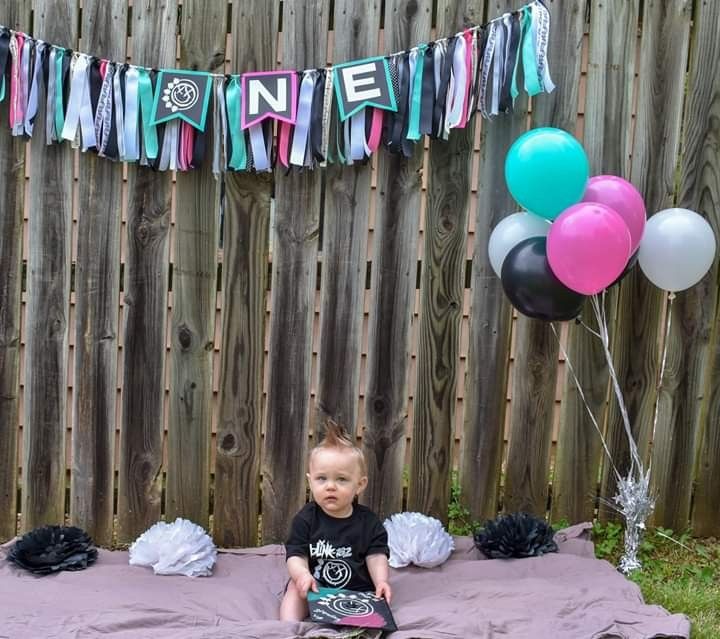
568	595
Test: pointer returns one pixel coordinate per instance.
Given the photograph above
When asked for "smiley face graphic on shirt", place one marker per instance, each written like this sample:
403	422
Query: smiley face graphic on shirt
331	568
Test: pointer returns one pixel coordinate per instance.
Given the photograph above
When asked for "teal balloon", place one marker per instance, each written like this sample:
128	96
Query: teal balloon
546	171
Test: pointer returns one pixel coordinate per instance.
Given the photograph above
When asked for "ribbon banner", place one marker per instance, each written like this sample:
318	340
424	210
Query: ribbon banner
339	114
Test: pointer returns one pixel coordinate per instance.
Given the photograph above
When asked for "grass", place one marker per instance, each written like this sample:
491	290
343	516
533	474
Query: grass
679	573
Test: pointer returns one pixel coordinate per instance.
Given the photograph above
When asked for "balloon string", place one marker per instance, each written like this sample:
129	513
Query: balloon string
671	298
584	401
599	309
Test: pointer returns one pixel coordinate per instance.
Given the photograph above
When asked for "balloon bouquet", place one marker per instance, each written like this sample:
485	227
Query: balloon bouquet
578	237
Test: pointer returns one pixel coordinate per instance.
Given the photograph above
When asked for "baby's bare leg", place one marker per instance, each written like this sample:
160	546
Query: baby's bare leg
293	606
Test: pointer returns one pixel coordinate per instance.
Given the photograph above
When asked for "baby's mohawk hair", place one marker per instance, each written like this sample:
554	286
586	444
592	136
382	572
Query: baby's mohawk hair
336	437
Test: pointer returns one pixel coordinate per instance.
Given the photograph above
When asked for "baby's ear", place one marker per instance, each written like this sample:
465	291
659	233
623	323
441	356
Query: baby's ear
362	484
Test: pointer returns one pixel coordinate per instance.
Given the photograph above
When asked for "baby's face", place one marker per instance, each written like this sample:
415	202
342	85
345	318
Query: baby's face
335	478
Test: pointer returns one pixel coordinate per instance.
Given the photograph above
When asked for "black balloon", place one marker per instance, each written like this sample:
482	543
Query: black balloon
632	261
532	287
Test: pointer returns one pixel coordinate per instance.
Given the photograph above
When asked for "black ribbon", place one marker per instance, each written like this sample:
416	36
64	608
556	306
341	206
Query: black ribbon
398	121
427	98
513	34
4	52
96	81
316	117
439	110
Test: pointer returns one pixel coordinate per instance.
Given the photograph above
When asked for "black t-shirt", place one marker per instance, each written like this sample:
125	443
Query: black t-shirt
336	548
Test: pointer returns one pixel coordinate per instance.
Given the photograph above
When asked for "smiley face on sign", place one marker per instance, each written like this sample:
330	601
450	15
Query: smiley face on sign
184	95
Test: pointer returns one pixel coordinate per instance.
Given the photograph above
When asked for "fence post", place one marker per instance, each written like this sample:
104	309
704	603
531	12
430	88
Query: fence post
12	200
683	421
483	438
536	356
662	67
441	298
97	289
197	211
154	29
608	106
48	301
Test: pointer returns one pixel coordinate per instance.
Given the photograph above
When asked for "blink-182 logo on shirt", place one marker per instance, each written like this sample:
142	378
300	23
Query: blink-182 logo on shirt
331	568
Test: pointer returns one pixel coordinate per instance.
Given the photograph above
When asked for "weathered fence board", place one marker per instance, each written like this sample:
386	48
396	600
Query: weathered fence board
680	416
663	58
394	260
441	299
12	170
245	256
97	286
344	250
202	47
536	356
486	379
608	106
48	302
145	296
295	237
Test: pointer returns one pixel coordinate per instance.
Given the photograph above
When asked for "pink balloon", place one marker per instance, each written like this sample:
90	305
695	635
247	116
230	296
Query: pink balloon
623	198
588	247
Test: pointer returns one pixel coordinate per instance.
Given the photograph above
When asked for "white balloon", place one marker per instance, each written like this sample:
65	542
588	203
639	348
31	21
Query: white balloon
677	249
510	232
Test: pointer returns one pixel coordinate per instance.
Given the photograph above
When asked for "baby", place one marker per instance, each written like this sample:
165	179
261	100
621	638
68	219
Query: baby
334	541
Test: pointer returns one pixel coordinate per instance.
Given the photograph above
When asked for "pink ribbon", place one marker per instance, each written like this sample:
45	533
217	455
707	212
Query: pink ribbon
16	113
375	130
467	35
284	144
187	146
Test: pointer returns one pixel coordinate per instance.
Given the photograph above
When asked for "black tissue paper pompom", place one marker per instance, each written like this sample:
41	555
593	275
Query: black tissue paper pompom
515	535
53	548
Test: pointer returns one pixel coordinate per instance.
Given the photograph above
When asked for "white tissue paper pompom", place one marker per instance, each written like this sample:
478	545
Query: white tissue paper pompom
180	548
417	539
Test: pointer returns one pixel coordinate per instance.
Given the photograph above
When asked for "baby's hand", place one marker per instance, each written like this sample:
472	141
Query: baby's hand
304	583
382	589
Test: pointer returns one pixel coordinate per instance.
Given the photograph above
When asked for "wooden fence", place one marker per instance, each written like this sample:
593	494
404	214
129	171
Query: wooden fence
145	372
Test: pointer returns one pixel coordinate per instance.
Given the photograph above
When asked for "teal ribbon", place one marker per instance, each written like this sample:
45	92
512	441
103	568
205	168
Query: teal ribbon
514	92
416	98
532	82
59	89
2	89
146	104
238	161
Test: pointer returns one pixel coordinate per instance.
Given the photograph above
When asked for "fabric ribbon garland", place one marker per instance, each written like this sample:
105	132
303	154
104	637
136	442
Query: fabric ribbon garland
112	107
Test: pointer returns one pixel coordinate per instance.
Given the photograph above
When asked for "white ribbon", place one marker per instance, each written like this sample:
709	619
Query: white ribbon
498	70
456	93
104	106
32	105
347	150
473	73
542	39
50	136
357	135
261	161
302	123
220	158
438	56
131	132
119	113
78	78
326	115
487	60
